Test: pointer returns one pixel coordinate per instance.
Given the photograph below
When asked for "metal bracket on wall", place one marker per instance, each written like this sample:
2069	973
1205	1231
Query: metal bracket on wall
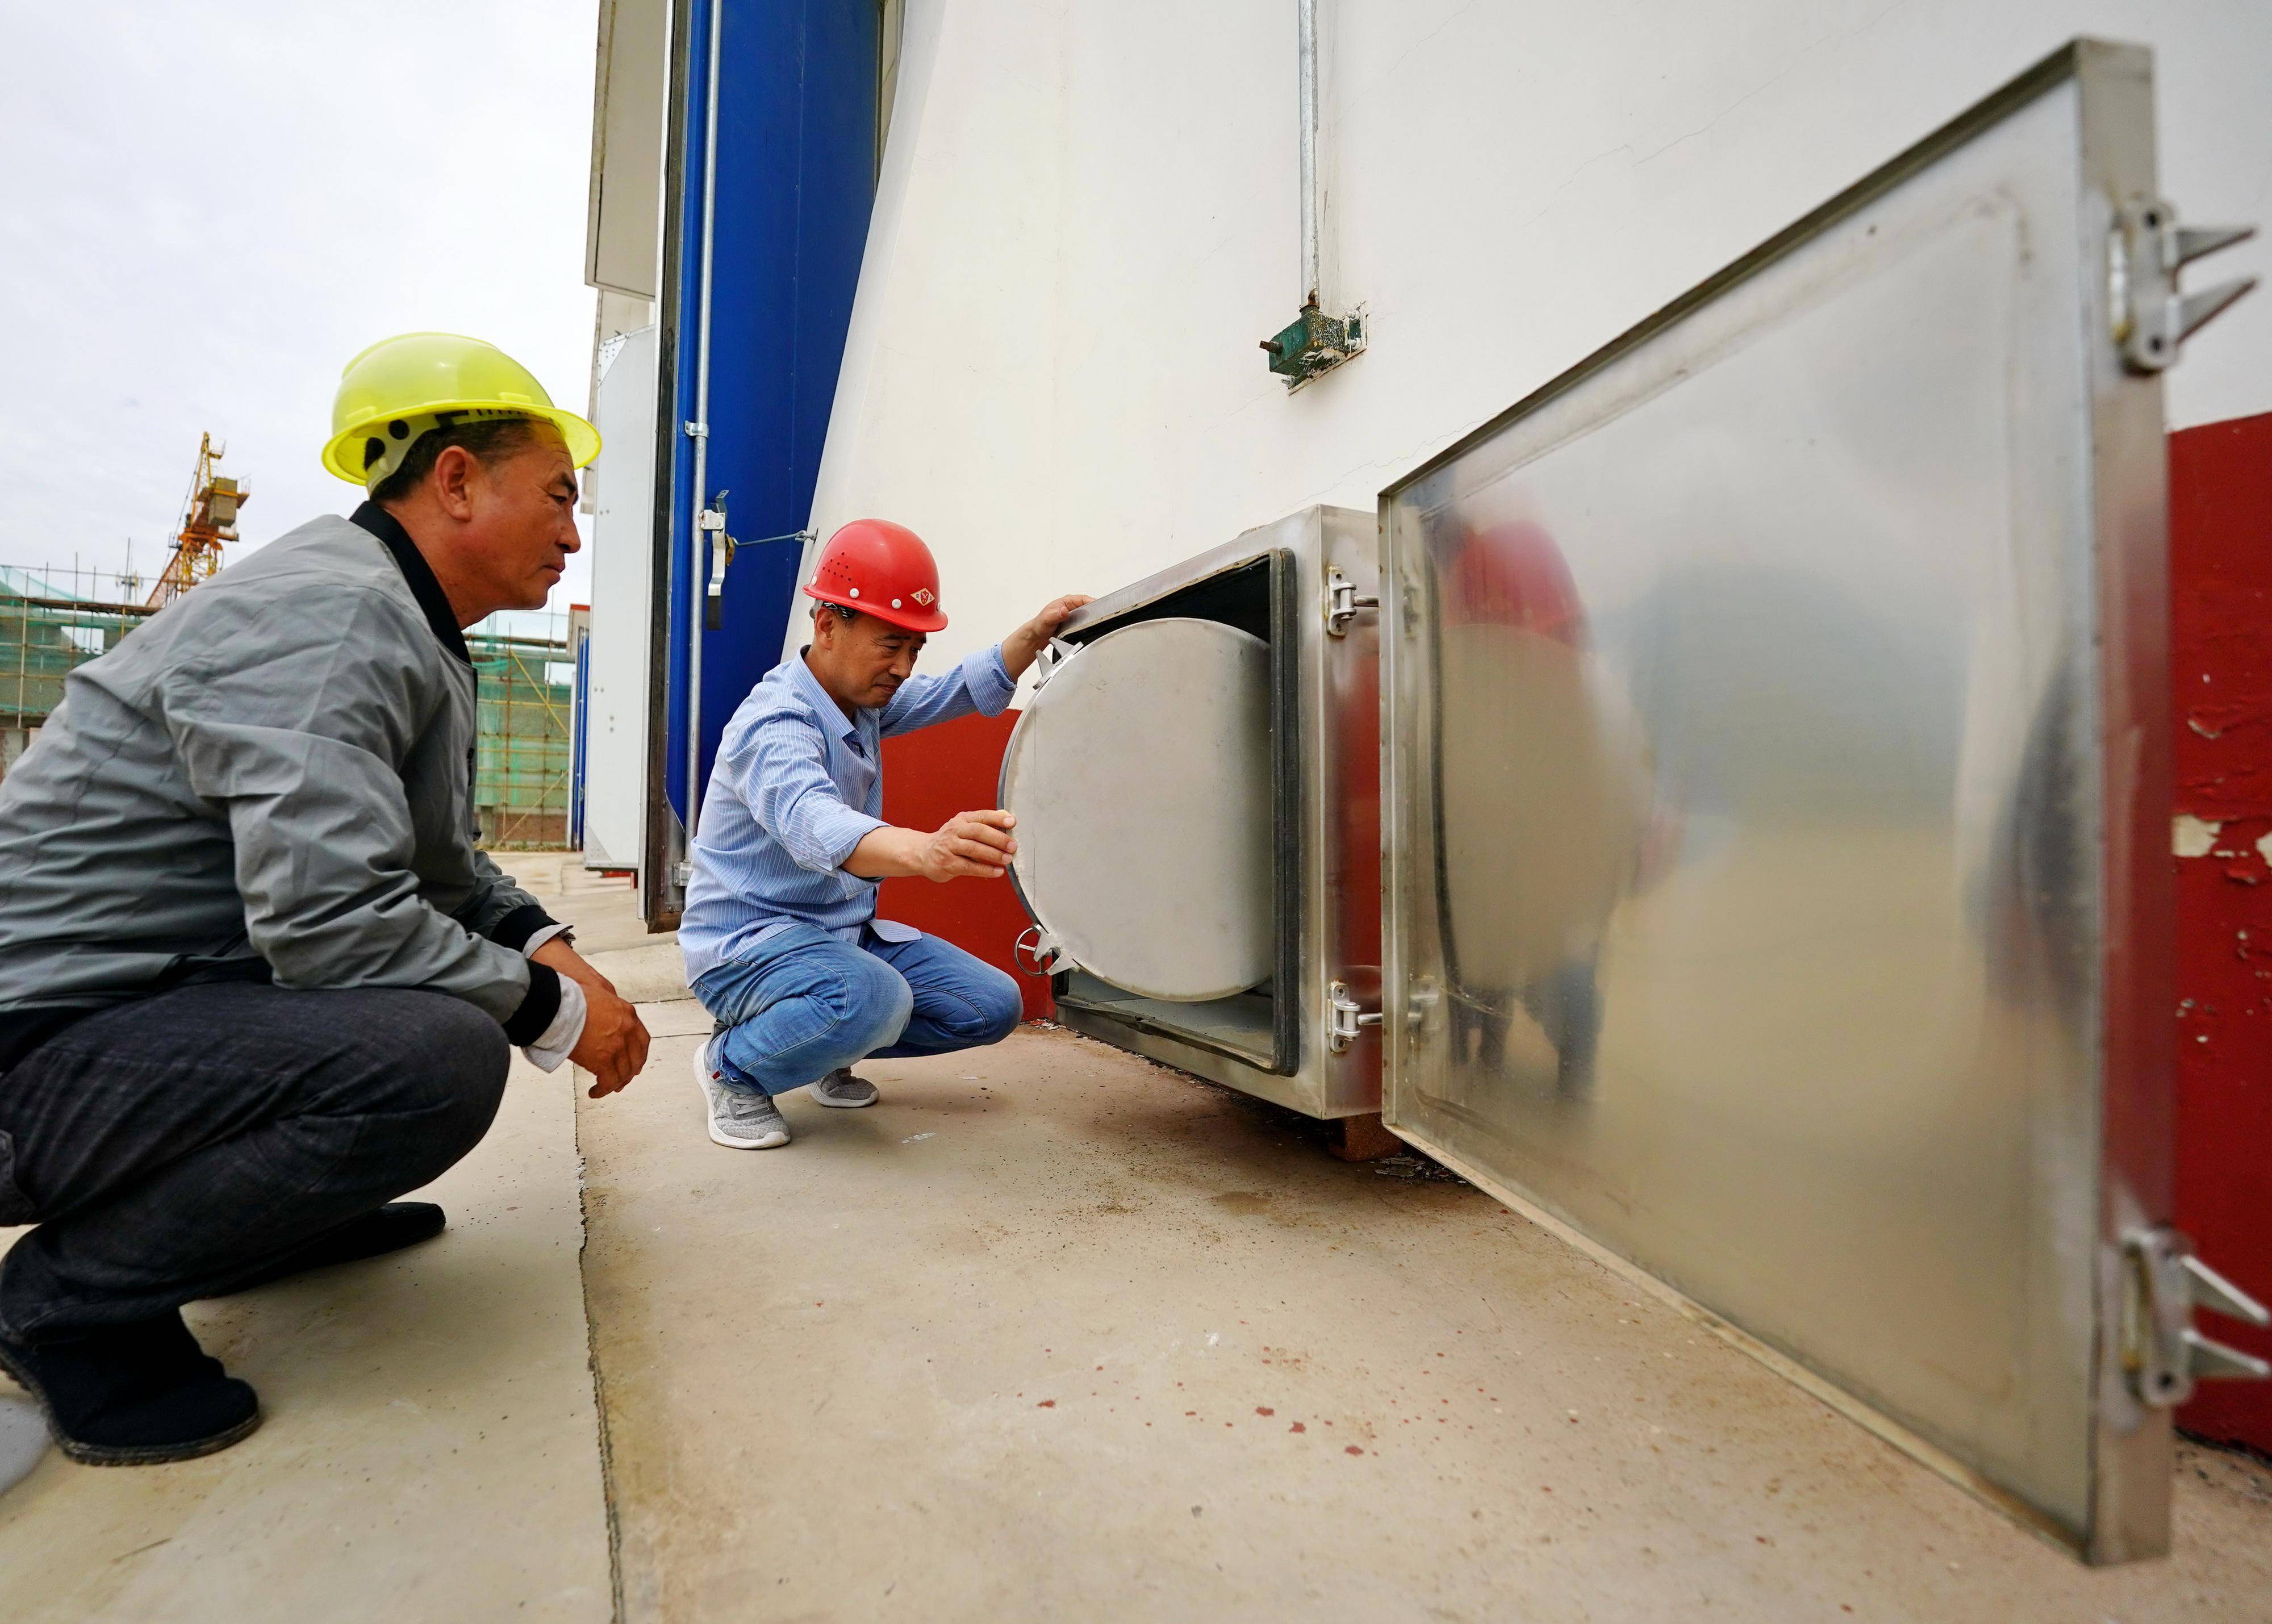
1342	602
2148	247
2163	1354
711	521
1345	1018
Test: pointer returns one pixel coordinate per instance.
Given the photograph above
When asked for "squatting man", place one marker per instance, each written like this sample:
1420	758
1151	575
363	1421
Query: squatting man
780	931
255	980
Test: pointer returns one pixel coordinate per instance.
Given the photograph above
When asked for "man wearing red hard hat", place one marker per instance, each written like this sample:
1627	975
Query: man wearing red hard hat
781	936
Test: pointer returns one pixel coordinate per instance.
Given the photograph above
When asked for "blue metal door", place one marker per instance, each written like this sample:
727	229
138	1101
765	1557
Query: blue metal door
776	221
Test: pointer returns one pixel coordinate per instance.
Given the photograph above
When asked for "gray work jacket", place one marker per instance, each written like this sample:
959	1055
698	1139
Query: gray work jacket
270	779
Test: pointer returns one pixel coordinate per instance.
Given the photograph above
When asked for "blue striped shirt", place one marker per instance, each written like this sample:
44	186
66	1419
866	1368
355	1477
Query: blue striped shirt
797	784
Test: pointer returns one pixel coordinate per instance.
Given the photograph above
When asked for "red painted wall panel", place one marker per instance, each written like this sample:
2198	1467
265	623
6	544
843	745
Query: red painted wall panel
2221	626
929	776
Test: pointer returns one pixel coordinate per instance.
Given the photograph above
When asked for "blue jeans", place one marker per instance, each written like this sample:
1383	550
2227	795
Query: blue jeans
806	1003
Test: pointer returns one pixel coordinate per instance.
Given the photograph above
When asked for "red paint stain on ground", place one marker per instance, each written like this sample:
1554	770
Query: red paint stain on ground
1264	1409
1047	1403
1350	1448
1298	1427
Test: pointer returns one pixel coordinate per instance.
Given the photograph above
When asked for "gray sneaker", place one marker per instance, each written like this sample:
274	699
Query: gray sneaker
739	1121
843	1090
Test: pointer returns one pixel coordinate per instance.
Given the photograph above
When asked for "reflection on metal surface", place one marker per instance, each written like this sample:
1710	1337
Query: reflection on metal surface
1752	843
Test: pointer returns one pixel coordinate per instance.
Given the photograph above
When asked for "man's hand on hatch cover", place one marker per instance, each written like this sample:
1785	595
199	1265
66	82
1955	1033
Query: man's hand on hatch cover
1019	648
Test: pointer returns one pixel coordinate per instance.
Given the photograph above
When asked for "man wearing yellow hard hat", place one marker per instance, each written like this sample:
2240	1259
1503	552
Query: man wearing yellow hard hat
255	980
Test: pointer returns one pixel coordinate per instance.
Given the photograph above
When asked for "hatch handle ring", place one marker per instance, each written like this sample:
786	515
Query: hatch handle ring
1342	602
1037	953
2162	1355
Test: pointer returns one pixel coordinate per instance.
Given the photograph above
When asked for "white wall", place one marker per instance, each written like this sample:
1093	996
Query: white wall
1088	221
622	487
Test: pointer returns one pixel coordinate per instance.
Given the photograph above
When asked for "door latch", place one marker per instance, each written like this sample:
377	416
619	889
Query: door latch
712	522
1345	1017
2162	1355
1342	602
2152	319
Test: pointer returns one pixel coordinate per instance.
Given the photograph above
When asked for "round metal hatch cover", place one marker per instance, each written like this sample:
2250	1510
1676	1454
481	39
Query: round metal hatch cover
1140	776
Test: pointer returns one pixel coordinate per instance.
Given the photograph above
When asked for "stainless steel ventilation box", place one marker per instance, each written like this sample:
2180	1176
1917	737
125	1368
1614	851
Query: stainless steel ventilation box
1298	1035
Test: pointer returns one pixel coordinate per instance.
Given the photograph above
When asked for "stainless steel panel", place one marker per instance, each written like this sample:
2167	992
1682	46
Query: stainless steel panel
1325	746
1140	776
1778	775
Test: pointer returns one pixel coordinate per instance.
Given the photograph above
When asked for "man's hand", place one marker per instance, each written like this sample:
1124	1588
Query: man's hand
972	845
613	1047
1019	648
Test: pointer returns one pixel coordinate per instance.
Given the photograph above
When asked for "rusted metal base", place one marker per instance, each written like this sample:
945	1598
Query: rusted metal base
1362	1139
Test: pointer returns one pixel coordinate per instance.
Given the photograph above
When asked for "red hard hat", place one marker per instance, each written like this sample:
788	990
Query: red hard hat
882	569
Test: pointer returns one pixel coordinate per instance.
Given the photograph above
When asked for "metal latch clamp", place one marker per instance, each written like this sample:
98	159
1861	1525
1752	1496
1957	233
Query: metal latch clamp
2162	1355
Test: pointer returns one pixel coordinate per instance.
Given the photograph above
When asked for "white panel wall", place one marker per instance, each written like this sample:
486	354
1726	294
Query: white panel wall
1088	221
621	487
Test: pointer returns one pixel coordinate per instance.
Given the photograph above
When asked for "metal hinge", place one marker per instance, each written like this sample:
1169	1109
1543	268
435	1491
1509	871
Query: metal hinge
2152	319
696	431
1038	953
2162	1355
1051	660
1345	1017
1342	602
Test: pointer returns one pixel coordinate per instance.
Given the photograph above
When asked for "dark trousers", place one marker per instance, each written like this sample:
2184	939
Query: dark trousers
170	1148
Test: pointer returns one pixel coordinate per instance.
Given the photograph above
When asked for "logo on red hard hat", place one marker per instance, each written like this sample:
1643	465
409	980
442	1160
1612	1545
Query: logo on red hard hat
878	568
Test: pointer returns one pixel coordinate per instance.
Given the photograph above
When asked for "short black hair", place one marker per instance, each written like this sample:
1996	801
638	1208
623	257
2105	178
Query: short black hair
489	440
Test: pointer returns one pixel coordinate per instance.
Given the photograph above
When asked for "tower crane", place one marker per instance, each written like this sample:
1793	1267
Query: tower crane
208	518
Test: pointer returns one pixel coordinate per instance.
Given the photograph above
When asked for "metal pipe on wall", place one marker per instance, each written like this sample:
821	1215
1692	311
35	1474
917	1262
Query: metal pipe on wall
700	431
1305	29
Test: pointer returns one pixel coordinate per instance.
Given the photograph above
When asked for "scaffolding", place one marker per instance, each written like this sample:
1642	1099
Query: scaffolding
52	622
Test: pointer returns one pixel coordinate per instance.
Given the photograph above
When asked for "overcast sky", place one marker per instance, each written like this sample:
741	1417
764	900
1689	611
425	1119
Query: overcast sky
210	208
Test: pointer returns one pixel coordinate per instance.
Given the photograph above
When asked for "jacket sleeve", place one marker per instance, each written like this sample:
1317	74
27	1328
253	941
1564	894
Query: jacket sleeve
500	909
296	722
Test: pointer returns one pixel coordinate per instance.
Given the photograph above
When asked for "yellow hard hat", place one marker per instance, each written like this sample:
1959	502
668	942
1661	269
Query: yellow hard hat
402	386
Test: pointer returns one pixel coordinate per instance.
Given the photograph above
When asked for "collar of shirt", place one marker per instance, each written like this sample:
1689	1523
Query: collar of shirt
419	575
852	729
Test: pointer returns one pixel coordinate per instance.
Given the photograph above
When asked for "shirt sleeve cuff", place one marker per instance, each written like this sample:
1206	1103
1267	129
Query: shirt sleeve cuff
529	1022
843	833
988	680
528	948
524	921
554	1044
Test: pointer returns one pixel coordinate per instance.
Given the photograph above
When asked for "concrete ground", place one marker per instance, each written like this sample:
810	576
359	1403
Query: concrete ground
1051	1333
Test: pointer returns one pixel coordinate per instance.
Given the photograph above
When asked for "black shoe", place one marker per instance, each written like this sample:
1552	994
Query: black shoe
381	1230
133	1394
